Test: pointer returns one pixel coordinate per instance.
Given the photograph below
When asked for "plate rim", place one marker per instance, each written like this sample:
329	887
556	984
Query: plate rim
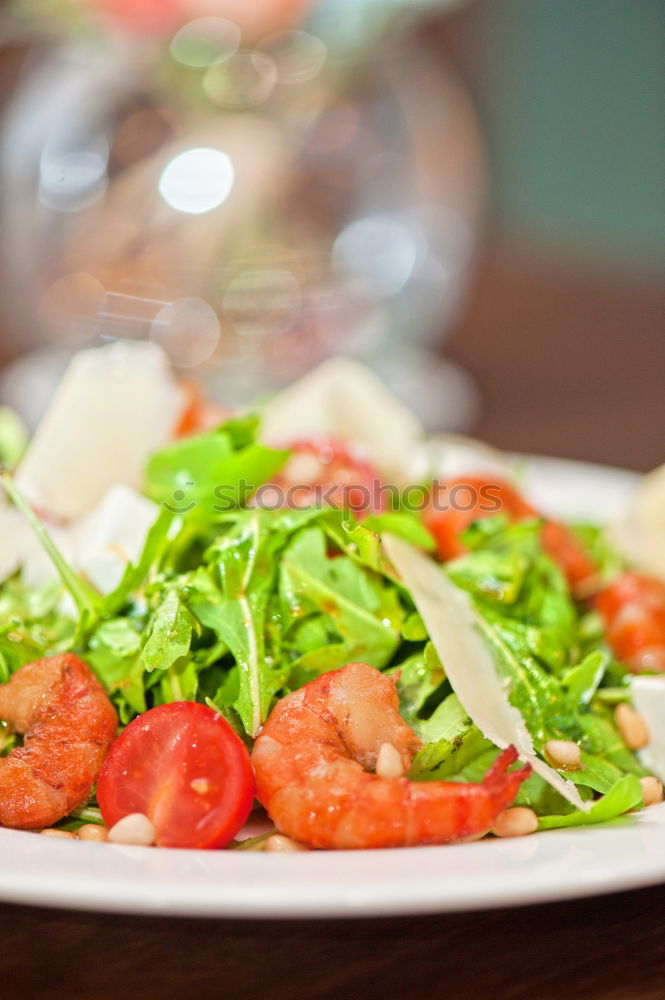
345	894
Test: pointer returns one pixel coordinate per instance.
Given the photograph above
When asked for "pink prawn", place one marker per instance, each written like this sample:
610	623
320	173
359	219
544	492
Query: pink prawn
314	762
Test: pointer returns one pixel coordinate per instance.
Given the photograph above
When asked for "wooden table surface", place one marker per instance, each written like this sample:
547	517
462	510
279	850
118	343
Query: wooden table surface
611	948
568	364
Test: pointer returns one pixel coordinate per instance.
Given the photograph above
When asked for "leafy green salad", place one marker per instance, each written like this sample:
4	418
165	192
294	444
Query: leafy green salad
234	606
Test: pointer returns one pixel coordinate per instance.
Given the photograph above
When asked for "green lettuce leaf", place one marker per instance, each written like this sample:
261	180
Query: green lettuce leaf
365	619
212	473
246	564
419	677
13	437
466	755
582	682
31	624
402	524
624	795
137	574
170	634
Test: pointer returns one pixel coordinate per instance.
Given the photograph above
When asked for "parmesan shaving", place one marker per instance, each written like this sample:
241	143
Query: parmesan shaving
114	406
640	533
453	628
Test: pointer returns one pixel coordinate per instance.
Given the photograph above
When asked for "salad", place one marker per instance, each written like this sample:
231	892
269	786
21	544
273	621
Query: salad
312	613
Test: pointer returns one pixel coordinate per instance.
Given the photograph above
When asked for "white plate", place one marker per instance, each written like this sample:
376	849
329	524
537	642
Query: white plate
628	853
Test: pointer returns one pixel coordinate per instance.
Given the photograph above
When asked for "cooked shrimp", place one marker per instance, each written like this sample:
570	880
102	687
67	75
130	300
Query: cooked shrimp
68	724
633	610
311	762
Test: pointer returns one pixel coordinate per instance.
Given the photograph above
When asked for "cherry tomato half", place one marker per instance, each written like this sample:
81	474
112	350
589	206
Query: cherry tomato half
569	554
633	610
325	471
454	505
184	767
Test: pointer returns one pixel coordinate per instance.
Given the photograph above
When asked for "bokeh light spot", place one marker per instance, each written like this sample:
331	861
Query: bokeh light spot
197	180
381	249
245	80
298	56
205	41
188	330
73	179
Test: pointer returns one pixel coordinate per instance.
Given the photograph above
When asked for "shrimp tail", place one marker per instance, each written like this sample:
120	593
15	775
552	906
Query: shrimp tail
500	782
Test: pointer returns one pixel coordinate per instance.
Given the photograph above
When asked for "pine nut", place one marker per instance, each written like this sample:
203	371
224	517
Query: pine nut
632	728
135	829
63	834
93	832
564	754
515	822
389	762
652	790
278	843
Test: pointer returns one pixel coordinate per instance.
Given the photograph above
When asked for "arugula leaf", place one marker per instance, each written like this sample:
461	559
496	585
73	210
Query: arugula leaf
120	636
13	437
212	473
247	568
528	620
251	843
87	600
490	575
8	740
31	624
180	682
480	532
624	795
510	576
343	591
595	772
404	525
581	682
468	757
227	690
601	738
419	676
242	430
449	757
356	540
170	635
538	795
114	655
320	661
530	688
595	541
413	629
448	722
136	574
123	678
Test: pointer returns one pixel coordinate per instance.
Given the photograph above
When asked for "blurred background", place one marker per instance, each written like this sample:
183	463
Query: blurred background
468	196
